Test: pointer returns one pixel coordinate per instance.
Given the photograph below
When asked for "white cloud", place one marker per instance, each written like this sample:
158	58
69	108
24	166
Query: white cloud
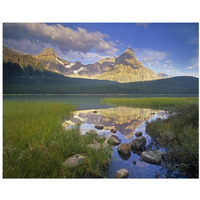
84	58
57	35
194	63
168	61
149	55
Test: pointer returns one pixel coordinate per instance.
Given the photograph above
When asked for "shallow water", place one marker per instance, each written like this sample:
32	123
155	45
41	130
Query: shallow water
127	121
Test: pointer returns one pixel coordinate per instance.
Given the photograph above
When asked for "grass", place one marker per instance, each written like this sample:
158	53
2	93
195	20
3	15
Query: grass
180	135
35	144
154	102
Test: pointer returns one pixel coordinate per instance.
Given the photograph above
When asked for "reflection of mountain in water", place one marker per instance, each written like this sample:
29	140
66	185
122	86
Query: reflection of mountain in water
124	119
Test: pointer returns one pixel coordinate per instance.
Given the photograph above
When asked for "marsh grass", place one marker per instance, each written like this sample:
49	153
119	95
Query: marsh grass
180	135
155	102
35	144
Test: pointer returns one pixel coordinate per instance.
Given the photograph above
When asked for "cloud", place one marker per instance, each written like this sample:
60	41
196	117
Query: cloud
149	55
84	58
64	38
145	25
168	61
194	63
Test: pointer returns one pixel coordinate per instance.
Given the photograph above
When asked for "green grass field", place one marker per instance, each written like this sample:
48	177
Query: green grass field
155	102
35	144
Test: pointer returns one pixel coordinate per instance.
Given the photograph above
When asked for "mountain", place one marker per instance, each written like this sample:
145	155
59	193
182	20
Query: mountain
127	68
24	62
24	74
123	69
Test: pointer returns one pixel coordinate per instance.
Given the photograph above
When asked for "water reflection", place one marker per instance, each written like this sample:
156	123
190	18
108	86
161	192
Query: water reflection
126	121
123	119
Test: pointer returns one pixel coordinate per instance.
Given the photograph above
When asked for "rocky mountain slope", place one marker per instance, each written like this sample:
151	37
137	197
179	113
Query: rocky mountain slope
125	68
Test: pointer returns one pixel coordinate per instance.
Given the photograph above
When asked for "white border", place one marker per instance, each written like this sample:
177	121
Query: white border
98	11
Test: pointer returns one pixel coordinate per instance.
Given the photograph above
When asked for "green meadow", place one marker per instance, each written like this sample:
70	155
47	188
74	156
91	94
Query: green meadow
35	144
151	102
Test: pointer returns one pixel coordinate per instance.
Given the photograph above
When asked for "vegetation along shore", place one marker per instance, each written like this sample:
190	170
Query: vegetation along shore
179	134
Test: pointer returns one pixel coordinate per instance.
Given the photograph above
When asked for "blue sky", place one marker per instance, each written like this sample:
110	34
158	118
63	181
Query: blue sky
168	47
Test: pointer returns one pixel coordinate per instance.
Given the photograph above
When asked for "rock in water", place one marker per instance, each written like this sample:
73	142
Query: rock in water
124	148
113	130
99	127
134	162
152	157
138	143
121	173
113	140
138	134
74	161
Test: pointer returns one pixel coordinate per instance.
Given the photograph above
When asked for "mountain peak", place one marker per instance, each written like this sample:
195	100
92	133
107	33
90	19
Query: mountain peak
129	50
48	51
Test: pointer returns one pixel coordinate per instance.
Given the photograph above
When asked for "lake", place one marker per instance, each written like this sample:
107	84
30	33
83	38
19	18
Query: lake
126	120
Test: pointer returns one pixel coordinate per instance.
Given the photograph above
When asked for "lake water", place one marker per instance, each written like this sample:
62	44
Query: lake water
83	102
127	121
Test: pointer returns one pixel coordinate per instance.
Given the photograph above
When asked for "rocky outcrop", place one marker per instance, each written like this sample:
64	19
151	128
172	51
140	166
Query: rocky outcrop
74	161
114	140
121	173
138	143
152	157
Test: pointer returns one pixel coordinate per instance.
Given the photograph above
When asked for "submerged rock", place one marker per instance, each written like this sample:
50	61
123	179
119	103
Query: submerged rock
74	161
114	140
124	148
152	157
138	143
121	173
138	134
99	127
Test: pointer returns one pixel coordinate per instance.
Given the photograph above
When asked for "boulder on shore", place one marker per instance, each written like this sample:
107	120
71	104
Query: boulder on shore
114	140
152	157
74	161
95	146
121	173
138	143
